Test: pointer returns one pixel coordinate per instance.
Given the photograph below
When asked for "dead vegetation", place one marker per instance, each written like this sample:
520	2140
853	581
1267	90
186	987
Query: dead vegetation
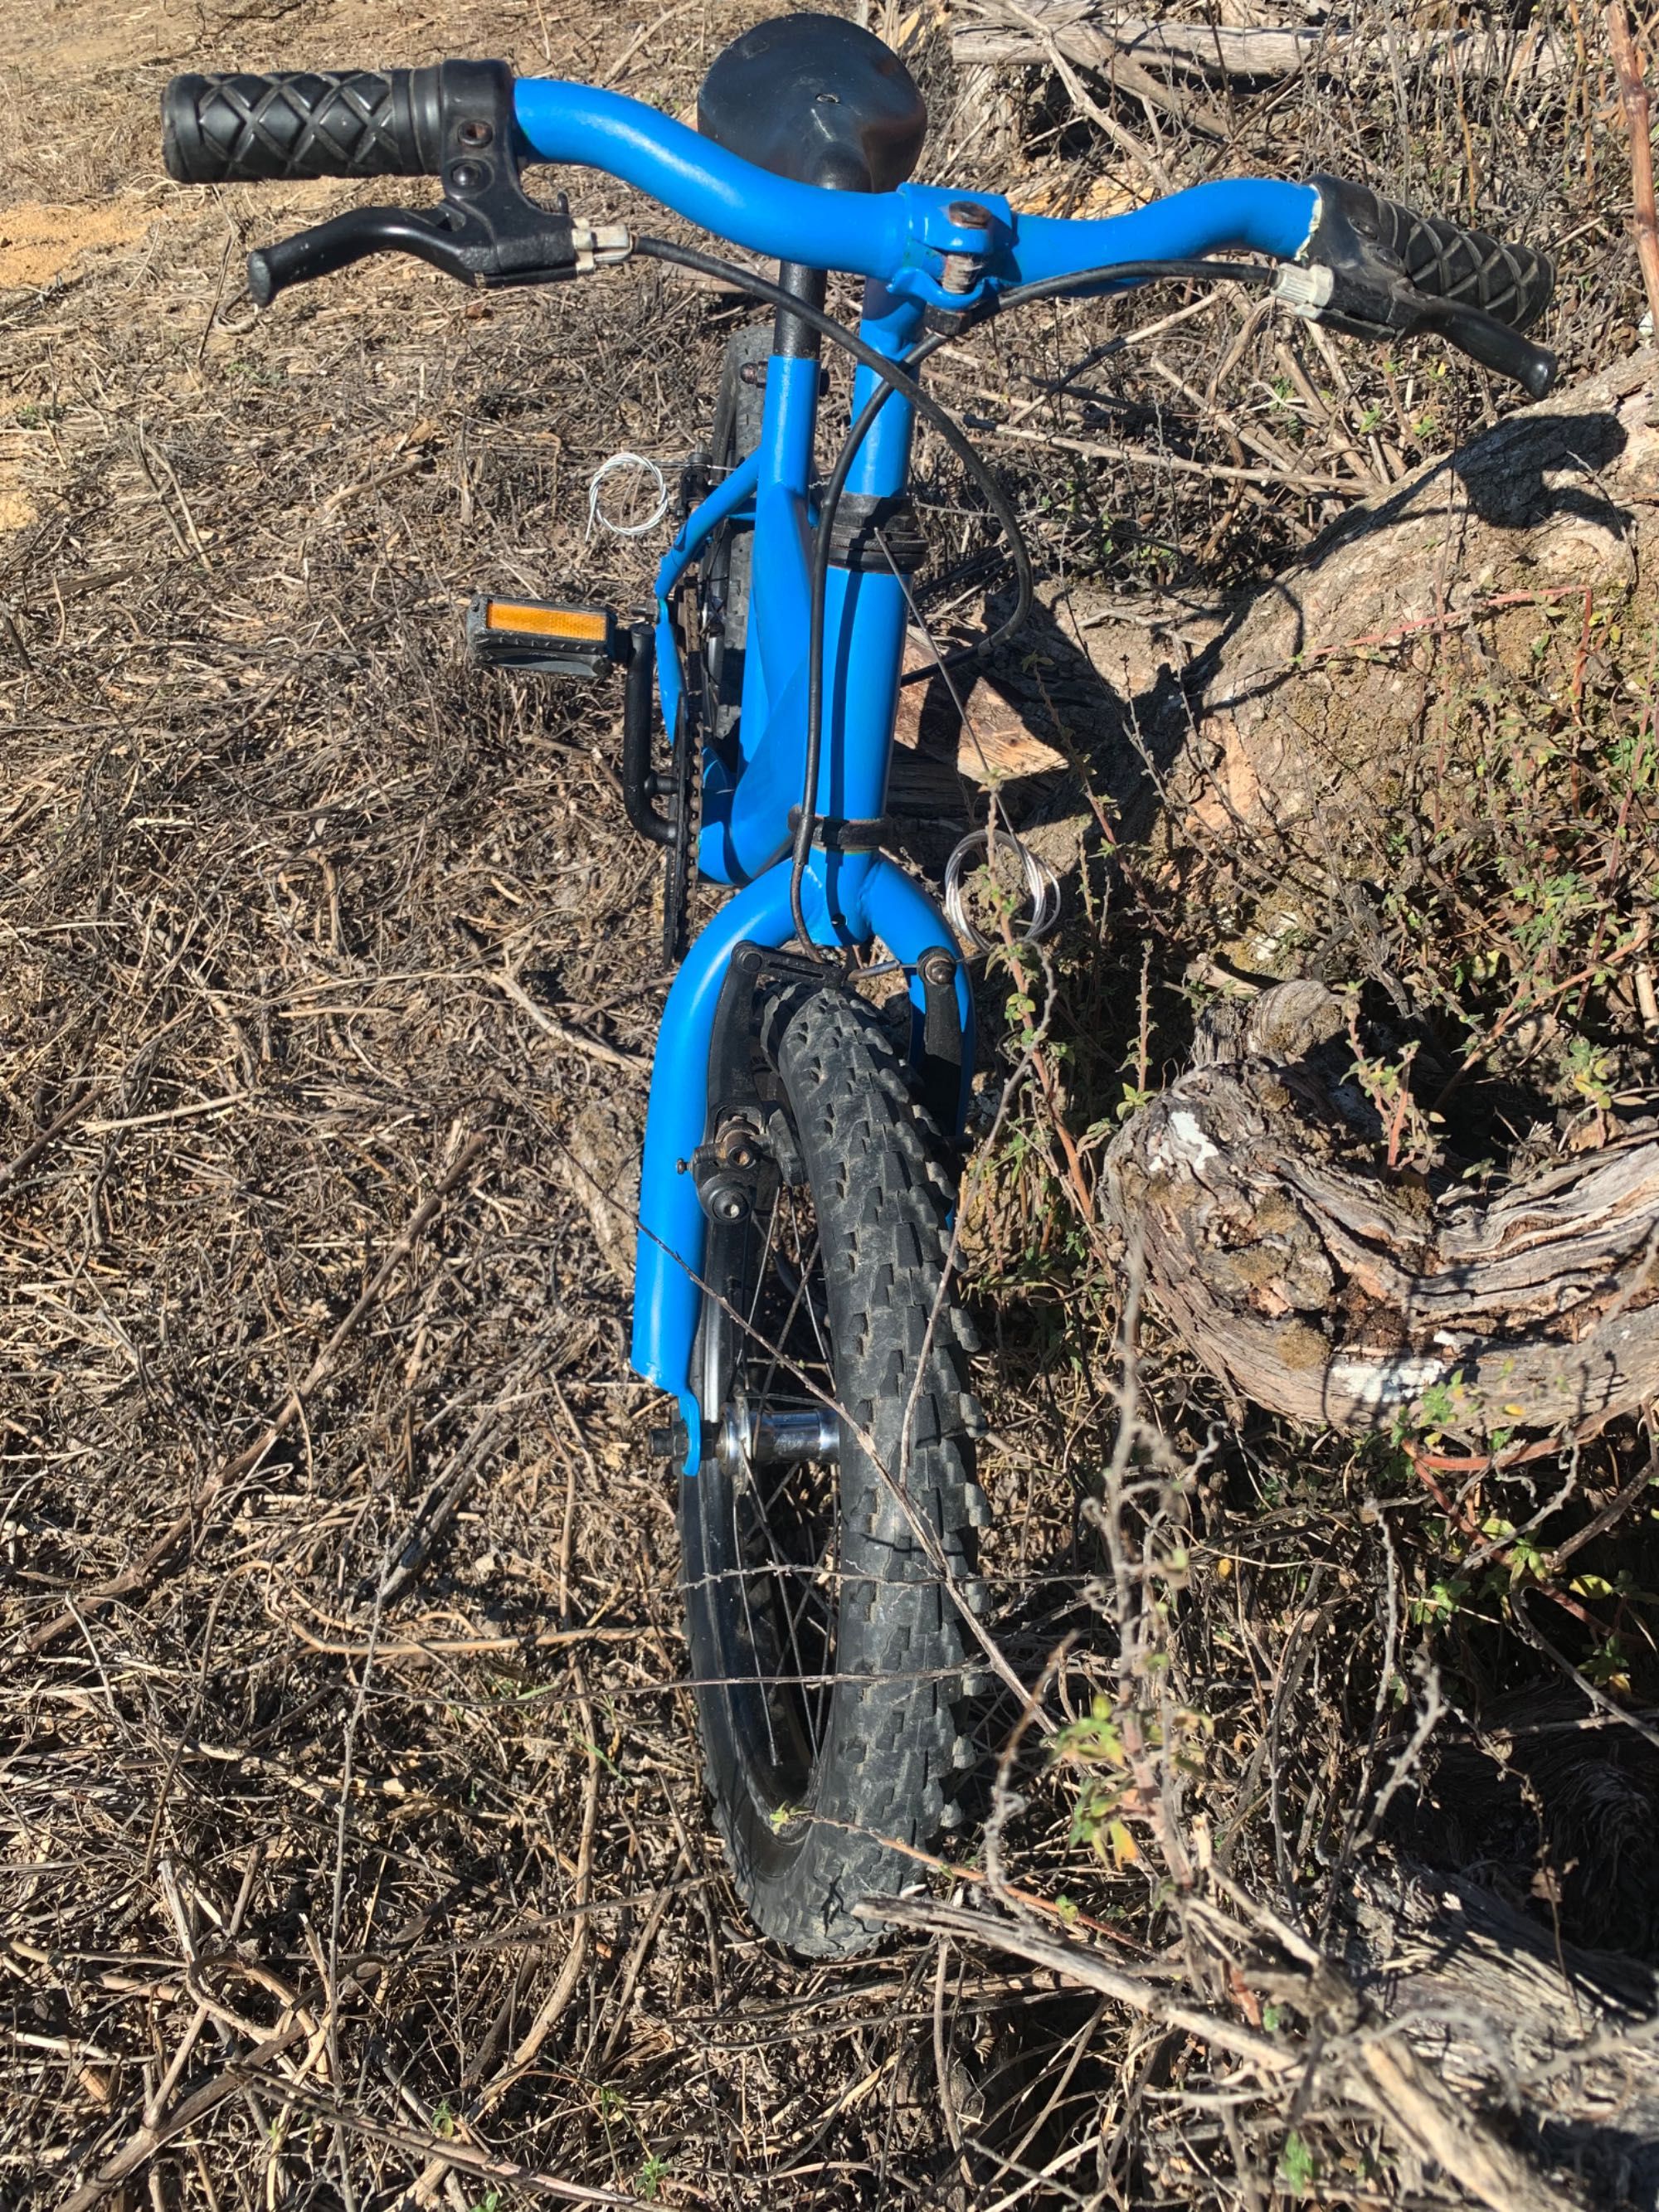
354	1844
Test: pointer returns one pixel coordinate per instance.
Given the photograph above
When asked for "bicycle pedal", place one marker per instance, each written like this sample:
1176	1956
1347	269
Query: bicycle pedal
537	637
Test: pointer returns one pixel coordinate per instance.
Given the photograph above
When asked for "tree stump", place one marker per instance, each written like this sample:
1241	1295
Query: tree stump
1319	1283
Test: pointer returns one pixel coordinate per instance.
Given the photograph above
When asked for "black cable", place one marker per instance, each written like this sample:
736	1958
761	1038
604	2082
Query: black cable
1085	283
895	378
817	605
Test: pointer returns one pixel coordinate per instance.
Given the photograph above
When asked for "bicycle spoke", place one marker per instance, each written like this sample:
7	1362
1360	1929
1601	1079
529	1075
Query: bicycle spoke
737	1548
785	1532
807	1664
760	1265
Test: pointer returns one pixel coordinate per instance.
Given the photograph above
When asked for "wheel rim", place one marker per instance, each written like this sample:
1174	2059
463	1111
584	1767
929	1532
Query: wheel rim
769	1502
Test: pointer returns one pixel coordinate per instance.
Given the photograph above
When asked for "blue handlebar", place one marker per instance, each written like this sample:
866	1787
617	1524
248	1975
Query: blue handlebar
1255	214
899	237
717	191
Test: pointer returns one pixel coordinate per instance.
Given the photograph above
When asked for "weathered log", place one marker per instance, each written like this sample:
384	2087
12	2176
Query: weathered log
1322	1286
1447	2009
1094	35
1303	711
1507	2014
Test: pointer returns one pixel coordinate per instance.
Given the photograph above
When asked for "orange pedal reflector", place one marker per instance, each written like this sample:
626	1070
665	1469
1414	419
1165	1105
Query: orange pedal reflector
533	637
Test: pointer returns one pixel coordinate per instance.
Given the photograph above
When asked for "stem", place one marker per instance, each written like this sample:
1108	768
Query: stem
1633	98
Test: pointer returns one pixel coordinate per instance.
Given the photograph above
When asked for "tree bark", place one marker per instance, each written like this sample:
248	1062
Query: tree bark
1318	1283
1305	706
1504	2014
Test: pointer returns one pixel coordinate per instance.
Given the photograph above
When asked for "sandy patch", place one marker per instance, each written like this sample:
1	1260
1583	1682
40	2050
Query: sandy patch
17	509
38	240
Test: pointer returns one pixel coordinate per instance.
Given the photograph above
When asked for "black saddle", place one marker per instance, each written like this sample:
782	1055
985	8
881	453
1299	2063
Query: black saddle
816	100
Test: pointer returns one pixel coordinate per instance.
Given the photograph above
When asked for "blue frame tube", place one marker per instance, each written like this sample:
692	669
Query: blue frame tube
700	527
865	614
745	819
783	540
669	1253
726	499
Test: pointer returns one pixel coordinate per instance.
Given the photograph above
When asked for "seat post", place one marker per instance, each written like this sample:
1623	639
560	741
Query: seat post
791	338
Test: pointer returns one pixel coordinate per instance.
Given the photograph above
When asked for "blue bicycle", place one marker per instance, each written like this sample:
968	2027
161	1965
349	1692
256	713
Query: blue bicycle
794	1288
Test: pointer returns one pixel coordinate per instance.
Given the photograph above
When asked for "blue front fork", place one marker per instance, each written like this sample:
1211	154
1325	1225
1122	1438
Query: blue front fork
849	898
871	897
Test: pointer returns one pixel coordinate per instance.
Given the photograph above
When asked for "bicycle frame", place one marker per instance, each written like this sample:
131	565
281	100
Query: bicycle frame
899	241
849	898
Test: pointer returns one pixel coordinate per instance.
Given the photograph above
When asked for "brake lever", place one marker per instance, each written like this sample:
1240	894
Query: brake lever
487	231
1491	342
542	252
1367	307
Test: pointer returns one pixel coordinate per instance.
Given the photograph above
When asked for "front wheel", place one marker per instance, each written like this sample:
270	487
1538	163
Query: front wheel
828	1539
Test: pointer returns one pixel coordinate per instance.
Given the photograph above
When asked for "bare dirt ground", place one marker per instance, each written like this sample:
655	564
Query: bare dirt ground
328	980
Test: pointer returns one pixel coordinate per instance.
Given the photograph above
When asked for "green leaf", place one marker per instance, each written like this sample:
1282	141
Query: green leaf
1296	2167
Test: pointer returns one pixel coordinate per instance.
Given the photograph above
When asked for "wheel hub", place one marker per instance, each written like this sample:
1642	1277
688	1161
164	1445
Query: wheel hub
750	1436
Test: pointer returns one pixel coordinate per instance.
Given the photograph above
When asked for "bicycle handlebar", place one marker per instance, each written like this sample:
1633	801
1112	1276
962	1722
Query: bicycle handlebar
1368	266
400	123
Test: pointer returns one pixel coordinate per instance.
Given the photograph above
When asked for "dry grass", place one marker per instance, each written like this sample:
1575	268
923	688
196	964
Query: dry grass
356	1844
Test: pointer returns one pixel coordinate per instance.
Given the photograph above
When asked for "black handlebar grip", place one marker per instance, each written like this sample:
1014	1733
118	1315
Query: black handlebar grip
317	123
1467	268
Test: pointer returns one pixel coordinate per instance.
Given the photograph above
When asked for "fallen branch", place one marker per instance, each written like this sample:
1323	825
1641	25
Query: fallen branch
464	1647
444	2157
141	2147
573	1040
454	1483
1156	457
48	1137
138	1575
1092	34
1322	1287
1379	2069
1049	49
1082	1966
159	2129
1386	2074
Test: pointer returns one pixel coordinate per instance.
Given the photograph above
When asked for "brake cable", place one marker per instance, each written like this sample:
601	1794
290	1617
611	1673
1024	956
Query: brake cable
894	379
897	377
